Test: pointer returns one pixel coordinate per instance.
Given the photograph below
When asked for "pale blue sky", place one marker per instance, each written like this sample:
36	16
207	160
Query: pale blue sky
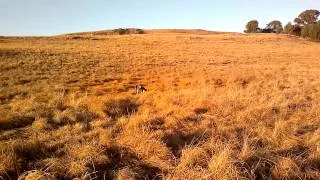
51	17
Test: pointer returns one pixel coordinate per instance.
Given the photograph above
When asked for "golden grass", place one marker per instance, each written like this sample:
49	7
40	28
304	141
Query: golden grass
218	106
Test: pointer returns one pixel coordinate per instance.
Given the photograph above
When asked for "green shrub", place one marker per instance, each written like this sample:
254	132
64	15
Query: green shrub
252	26
311	31
292	29
305	31
122	31
296	30
288	28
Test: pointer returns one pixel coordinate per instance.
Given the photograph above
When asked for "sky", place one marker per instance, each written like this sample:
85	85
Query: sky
53	17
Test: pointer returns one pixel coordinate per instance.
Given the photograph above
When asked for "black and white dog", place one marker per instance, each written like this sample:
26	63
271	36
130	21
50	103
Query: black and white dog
140	89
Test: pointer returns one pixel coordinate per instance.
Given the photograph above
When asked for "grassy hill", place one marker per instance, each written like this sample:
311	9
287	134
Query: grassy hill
218	106
126	31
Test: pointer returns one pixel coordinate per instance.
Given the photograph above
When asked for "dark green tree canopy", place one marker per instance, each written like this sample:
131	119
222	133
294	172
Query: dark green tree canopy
307	17
252	26
275	26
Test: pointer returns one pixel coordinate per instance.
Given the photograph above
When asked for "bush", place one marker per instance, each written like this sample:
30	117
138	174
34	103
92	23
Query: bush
252	27
296	30
293	29
139	31
311	31
288	28
122	31
305	32
279	30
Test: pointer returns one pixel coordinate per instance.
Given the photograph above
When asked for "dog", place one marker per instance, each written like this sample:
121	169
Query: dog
140	89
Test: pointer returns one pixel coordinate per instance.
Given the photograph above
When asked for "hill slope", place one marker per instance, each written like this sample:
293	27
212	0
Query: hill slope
146	31
219	106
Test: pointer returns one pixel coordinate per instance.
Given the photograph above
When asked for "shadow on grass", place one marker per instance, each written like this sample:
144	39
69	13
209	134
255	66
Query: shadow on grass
261	165
25	154
258	167
200	110
177	140
125	158
16	122
119	108
156	124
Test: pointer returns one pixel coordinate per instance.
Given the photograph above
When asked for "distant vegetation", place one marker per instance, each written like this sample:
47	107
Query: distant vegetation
252	26
119	31
122	31
306	25
274	26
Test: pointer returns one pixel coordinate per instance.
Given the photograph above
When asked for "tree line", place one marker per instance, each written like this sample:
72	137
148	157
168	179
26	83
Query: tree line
306	25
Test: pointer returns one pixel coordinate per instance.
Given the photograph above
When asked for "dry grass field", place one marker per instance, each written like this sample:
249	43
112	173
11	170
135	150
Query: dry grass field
218	106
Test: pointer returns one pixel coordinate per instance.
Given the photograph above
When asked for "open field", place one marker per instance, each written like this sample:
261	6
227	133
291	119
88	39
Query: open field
218	106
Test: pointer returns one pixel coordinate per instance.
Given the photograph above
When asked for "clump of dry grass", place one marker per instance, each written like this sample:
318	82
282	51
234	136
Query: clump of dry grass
41	124
7	164
221	165
286	168
86	159
126	173
36	174
218	106
147	147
